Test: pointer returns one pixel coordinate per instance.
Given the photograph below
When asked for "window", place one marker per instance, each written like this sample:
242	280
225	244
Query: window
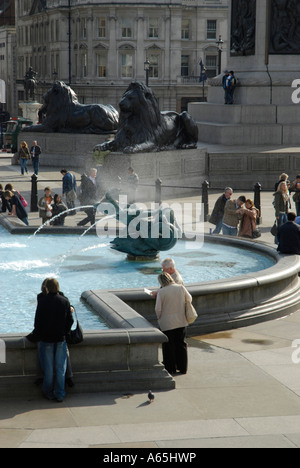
184	65
126	28
101	66
211	65
101	27
126	65
153	27
185	29
84	65
83	28
211	29
154	66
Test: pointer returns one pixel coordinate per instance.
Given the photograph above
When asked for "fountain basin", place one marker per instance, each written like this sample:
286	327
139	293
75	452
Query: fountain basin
126	356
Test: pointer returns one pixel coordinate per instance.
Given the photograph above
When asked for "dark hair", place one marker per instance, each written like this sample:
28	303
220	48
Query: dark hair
8	187
63	171
243	199
291	216
56	197
52	286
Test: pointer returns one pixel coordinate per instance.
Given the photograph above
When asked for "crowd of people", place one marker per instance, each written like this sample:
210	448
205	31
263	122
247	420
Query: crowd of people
238	217
235	217
54	206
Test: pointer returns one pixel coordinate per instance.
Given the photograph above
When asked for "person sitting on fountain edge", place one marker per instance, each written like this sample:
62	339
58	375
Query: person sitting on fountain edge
289	236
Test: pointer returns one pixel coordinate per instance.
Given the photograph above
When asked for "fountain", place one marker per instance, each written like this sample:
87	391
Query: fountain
257	284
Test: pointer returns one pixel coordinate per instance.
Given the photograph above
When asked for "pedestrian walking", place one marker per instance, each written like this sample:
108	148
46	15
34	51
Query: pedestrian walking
89	196
35	152
23	157
69	189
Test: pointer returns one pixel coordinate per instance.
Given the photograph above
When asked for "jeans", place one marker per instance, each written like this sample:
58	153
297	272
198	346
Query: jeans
53	357
282	220
23	163
227	231
36	164
219	226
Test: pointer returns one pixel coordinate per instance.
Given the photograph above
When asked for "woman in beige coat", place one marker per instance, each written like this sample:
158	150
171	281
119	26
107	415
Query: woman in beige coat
170	311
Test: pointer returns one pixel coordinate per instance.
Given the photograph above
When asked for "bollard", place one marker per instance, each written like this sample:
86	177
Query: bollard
257	201
34	194
205	186
158	187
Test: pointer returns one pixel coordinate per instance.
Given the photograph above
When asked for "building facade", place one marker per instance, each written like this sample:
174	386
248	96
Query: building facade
8	95
99	47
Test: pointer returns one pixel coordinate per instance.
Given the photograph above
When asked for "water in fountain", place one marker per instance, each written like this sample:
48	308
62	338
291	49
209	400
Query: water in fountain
64	213
24	265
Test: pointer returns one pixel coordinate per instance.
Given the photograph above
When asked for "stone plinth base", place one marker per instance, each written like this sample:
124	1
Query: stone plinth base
70	150
181	171
30	110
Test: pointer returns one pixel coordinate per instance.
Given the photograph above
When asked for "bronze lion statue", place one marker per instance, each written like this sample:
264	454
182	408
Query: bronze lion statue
143	128
63	113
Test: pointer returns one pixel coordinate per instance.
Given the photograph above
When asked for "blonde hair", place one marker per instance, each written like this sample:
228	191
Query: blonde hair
165	279
280	185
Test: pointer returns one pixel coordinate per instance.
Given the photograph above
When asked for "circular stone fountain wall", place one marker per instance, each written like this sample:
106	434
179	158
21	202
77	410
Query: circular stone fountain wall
232	302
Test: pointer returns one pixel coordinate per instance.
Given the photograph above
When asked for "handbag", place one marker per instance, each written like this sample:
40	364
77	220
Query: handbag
274	229
190	312
23	201
75	336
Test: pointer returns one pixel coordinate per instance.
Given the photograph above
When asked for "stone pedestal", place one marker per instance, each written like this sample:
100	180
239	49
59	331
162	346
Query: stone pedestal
264	55
30	110
181	171
69	150
266	70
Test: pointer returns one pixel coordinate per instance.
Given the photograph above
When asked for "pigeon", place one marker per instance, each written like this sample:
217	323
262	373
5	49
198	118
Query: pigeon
151	396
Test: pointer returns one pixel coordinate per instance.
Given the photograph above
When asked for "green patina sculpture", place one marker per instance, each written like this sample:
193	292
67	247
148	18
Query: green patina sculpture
147	233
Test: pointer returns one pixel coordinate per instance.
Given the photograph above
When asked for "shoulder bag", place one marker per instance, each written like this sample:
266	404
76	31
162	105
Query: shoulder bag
190	312
75	336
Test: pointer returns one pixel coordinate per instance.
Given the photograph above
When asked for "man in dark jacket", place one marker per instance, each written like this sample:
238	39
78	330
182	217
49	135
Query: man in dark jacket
289	236
53	321
35	152
217	215
89	196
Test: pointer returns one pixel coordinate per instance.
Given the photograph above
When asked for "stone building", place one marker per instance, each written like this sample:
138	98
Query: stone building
99	47
8	97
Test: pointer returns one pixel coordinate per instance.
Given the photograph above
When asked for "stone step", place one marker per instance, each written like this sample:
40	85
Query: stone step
249	134
235	114
232	134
